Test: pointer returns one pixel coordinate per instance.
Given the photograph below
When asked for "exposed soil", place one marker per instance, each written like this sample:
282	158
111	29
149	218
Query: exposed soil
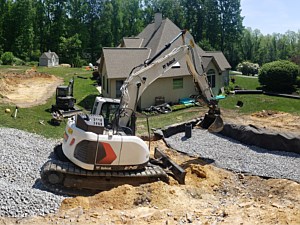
27	89
268	119
210	195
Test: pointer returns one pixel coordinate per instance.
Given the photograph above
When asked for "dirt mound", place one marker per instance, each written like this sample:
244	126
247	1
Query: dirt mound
210	196
268	119
27	89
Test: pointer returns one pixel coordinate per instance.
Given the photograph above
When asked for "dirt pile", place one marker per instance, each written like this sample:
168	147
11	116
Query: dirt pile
210	196
27	89
268	119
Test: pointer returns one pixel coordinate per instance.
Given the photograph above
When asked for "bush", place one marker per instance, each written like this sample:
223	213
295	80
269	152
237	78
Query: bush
7	58
248	68
298	81
78	62
18	62
32	63
279	76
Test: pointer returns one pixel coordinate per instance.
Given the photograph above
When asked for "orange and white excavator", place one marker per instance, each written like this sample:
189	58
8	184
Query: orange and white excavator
101	151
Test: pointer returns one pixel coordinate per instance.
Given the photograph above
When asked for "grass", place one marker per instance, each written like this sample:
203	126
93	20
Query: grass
248	83
258	102
36	119
162	120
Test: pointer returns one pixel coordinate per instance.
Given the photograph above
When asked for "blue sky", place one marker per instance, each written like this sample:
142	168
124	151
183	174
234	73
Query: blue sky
271	16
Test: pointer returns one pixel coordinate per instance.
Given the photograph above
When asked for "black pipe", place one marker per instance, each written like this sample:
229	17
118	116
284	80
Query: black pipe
248	92
148	62
282	95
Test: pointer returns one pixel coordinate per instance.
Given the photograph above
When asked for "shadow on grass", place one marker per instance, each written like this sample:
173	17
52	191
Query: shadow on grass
87	102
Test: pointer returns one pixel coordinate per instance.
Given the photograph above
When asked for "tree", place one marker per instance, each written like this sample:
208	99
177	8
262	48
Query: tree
231	28
212	25
70	49
7	58
132	18
248	68
24	36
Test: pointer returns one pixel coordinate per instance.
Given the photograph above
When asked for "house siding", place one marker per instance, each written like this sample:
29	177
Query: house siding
219	79
49	59
163	87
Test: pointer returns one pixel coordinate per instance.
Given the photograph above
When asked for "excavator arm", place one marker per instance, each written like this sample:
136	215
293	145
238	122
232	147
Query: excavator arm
154	68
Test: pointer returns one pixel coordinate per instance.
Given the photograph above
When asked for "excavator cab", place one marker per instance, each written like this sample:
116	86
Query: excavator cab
106	107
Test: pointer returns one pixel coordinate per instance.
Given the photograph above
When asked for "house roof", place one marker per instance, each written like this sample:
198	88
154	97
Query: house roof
206	61
220	60
49	55
132	42
154	38
120	61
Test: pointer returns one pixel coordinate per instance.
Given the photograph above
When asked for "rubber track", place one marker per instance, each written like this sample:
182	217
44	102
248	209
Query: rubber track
151	172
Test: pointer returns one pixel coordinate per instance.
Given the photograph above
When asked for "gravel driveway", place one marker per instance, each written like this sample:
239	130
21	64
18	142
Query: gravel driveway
21	192
230	154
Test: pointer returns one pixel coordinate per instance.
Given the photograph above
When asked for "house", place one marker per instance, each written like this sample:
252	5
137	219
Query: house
116	64
49	59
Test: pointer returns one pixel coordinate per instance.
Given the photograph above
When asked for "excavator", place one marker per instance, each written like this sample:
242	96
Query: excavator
100	150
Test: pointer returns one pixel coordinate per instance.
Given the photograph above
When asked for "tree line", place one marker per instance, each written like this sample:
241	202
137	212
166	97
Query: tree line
78	29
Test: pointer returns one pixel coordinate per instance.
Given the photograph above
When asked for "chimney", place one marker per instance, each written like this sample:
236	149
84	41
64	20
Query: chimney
157	20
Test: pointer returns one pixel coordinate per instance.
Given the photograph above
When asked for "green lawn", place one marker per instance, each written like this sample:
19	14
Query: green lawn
248	83
258	102
36	119
162	120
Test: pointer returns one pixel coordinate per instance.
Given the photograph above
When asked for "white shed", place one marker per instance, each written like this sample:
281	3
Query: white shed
49	59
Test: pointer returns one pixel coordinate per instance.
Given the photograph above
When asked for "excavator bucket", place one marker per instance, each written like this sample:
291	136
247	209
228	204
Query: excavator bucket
175	170
217	125
213	123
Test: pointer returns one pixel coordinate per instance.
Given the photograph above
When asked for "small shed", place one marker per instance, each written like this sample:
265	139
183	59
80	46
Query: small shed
49	59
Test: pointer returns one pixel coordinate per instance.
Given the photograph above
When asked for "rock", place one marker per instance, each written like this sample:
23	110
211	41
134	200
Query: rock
189	217
245	204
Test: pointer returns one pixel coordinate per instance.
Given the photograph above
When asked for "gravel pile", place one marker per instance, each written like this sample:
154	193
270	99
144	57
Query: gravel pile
230	154
21	192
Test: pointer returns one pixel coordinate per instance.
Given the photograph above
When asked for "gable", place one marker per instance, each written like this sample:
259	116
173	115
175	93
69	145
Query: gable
49	55
220	60
132	42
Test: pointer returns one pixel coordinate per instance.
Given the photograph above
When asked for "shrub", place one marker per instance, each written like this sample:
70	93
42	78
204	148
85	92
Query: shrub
248	68
78	62
32	63
7	58
18	62
279	76
298	81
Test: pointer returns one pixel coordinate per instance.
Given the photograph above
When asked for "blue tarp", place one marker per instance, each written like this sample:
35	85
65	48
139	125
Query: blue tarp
187	101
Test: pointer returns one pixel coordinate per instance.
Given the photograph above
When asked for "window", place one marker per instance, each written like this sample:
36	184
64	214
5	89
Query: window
177	83
119	84
211	77
108	111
